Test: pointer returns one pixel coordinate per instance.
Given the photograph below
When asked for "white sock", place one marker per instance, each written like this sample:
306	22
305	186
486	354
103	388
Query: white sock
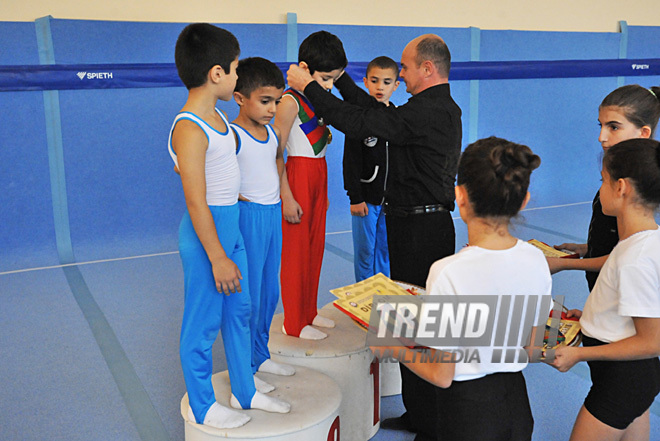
262	386
271	367
221	417
309	333
263	402
323	322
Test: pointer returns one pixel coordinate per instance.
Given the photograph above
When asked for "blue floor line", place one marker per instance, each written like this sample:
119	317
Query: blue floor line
339	252
546	230
140	407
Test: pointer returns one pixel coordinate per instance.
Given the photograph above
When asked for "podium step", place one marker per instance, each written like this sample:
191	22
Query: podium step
314	397
344	357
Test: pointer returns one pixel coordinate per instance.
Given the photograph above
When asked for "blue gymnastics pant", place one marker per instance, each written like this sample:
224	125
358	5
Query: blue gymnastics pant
370	253
206	311
261	227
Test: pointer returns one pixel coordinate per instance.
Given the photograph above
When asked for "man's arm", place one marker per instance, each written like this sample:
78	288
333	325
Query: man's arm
354	94
355	121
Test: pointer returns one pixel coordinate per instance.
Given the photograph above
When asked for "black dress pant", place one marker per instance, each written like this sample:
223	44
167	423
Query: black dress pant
415	242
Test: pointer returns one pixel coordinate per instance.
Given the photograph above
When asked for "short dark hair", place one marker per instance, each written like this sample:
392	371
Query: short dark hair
434	49
256	72
384	62
640	106
323	52
637	159
495	172
201	46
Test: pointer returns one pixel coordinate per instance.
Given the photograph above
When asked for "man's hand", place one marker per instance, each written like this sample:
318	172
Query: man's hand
298	76
360	209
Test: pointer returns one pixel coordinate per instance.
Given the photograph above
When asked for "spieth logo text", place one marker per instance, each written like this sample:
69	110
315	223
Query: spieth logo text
470	327
94	75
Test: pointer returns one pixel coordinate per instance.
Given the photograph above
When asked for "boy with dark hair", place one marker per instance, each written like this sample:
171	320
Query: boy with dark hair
365	168
258	92
304	188
210	243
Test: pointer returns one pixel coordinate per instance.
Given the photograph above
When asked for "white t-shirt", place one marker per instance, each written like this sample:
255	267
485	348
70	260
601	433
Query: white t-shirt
521	270
628	286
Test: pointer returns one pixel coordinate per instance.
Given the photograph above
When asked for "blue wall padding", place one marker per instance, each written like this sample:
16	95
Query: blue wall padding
123	197
643	43
26	214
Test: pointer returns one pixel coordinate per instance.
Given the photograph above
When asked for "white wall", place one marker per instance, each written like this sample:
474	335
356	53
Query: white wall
547	15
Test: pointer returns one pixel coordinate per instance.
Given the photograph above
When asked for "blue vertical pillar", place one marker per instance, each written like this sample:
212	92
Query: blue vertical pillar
55	147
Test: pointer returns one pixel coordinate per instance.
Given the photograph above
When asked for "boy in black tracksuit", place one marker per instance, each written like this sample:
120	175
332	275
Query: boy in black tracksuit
365	166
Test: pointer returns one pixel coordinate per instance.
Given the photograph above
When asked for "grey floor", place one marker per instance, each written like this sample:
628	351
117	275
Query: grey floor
90	352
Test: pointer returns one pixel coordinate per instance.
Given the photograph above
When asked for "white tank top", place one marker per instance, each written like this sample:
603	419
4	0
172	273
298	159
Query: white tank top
260	182
223	177
305	130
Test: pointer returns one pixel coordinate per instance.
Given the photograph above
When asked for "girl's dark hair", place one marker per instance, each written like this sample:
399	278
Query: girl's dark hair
639	161
640	106
256	72
323	52
495	172
201	46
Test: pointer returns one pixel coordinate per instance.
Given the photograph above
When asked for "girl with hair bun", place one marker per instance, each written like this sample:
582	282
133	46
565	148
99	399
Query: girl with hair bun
486	398
628	112
621	318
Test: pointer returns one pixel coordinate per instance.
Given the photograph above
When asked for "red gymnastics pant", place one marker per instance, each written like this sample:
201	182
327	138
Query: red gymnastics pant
303	243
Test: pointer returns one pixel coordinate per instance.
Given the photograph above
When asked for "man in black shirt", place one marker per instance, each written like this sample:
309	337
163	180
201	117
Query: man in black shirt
425	144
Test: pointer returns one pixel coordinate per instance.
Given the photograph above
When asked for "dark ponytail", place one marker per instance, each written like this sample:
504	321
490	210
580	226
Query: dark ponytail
495	173
641	106
639	161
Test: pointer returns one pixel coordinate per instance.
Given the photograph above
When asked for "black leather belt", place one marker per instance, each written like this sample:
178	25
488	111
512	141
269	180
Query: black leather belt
411	211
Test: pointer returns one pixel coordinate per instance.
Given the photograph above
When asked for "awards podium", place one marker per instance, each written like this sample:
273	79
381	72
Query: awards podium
343	357
314	397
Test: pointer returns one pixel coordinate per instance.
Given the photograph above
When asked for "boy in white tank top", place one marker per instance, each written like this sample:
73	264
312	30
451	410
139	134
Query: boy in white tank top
258	92
210	244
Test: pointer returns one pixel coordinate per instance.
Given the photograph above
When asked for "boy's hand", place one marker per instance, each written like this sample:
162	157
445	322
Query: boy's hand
298	77
360	209
227	276
292	211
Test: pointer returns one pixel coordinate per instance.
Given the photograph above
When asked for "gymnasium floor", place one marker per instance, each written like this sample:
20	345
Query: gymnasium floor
90	352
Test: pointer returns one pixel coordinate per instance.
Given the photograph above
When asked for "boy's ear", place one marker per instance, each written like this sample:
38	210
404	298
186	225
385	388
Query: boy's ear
396	85
239	98
646	132
303	65
216	73
364	79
